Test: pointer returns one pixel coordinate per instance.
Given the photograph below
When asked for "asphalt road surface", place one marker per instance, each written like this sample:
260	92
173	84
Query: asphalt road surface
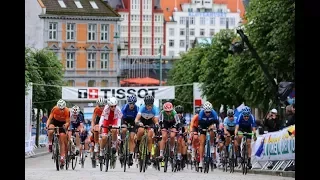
43	168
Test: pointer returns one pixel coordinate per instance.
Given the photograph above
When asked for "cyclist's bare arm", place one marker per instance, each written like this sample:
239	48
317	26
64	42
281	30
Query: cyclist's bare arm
67	119
50	118
93	120
155	120
236	130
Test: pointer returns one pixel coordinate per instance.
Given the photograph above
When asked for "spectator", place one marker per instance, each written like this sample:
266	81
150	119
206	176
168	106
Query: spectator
291	115
272	122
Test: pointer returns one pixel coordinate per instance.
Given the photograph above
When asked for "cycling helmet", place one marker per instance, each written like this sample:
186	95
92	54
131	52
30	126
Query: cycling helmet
101	101
246	111
61	104
230	112
167	106
179	109
148	99
112	101
207	106
75	110
132	99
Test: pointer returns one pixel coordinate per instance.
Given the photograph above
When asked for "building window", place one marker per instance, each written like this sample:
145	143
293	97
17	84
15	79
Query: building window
192	20
92	28
232	21
70	60
182	20
91	83
157	40
182	32
91	60
222	21
70	83
158	29
171	32
182	43
104	32
146	40
71	31
202	32
191	32
104	83
171	43
104	60
53	29
211	32
212	21
202	20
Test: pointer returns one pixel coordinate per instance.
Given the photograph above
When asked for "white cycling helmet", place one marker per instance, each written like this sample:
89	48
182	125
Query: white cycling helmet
101	101
112	101
61	104
75	110
207	106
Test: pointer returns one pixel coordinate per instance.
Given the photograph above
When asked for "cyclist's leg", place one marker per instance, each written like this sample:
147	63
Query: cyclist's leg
238	143
184	148
96	133
50	135
203	125
249	148
194	141
124	128
114	136
140	132
78	128
150	139
131	142
103	140
164	137
63	142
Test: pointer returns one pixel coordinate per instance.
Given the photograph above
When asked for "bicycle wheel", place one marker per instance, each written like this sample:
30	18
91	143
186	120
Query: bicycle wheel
145	153
57	153
207	158
107	155
243	164
125	154
93	160
225	156
173	158
82	156
166	156
231	159
68	157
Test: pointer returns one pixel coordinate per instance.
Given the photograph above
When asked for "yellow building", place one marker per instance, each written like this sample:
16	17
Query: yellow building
82	33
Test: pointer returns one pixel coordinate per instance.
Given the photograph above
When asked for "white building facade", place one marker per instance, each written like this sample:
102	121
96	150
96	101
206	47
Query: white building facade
200	18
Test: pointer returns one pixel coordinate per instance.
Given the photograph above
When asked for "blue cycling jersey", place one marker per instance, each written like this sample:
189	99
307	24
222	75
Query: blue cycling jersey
213	116
230	125
130	114
146	114
78	120
243	124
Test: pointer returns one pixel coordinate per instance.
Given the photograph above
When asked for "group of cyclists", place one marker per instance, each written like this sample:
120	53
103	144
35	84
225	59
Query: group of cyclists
167	123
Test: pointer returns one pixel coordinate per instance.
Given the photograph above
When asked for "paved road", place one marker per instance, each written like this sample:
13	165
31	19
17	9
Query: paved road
43	168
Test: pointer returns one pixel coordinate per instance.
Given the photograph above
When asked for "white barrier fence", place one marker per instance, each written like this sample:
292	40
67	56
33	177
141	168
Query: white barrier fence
30	145
276	149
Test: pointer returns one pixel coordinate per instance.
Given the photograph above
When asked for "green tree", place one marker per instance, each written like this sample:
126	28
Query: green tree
270	29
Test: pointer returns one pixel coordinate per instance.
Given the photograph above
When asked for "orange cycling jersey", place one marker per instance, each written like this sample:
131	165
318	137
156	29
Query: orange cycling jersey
60	115
97	111
194	122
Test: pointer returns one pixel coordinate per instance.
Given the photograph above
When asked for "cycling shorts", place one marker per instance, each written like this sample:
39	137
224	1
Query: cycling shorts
128	122
60	124
107	123
204	125
168	124
247	130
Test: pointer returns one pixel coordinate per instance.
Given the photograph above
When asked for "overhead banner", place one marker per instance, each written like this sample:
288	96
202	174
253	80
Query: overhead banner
276	146
93	93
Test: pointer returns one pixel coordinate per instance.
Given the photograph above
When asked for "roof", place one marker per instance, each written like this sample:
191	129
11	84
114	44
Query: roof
53	7
168	6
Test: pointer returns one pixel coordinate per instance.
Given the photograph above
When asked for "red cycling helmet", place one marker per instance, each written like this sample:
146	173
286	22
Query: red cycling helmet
167	106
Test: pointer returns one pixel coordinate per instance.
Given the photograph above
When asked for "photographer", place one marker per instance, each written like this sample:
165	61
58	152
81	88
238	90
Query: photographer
272	122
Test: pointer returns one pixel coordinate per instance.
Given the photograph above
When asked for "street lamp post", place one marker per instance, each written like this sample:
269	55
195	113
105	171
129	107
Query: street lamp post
160	50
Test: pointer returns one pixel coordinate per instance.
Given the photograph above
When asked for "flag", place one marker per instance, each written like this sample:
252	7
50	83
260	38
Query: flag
260	149
238	110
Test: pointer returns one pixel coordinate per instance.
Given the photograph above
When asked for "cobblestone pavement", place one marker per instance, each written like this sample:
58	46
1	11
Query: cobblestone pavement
43	168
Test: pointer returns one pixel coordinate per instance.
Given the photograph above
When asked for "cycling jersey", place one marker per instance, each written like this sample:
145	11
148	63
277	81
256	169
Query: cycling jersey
246	125
129	114
208	120
172	117
146	114
230	125
97	111
60	114
108	115
194	122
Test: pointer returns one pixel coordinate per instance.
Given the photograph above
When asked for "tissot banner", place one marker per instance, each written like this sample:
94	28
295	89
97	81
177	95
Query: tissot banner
93	93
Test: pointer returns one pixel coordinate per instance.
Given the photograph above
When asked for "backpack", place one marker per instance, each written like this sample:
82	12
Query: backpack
284	90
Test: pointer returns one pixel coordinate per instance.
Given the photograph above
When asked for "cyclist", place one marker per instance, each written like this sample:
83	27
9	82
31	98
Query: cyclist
59	117
110	116
148	115
229	126
183	124
76	123
194	138
95	122
245	123
207	118
129	111
169	120
86	135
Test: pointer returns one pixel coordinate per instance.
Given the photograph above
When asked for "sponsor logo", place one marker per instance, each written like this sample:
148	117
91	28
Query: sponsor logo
94	93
